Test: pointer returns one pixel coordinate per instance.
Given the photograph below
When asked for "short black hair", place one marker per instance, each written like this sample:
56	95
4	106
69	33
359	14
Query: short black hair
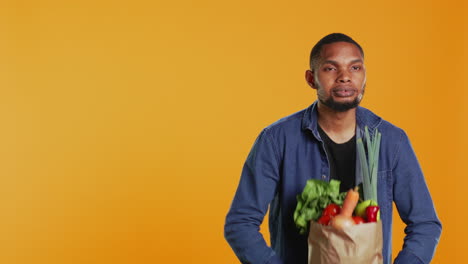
328	39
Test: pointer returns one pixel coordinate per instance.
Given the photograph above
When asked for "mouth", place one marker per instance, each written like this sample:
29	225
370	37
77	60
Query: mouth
343	91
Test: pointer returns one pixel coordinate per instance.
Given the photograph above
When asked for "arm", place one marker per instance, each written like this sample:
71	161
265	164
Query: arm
414	204
256	189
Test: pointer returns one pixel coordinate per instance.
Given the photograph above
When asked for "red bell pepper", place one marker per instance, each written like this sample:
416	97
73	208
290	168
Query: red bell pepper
371	213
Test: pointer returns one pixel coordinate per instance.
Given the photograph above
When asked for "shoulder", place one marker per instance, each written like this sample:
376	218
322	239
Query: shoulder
395	142
374	121
391	131
272	137
286	125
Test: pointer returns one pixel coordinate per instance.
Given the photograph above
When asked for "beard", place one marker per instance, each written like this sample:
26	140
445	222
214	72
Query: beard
340	107
343	107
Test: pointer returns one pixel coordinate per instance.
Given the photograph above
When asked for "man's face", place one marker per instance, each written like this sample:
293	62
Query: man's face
339	76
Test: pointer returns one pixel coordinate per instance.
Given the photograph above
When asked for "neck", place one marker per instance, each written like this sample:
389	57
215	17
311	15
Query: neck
339	126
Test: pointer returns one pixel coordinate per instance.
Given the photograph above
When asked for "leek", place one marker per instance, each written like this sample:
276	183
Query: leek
369	164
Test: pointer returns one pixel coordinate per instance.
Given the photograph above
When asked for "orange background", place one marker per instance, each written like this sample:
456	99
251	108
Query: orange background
125	124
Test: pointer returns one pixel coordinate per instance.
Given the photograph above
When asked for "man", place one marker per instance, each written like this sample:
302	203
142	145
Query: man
320	143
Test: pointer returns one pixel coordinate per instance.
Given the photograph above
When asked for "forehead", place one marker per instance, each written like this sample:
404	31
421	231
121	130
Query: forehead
340	51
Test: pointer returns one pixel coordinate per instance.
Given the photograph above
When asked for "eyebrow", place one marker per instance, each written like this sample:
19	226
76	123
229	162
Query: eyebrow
335	62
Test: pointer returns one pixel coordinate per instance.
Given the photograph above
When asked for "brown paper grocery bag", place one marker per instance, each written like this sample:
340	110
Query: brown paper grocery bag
355	245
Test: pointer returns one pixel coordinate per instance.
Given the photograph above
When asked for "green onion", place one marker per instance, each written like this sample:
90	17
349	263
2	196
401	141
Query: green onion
369	164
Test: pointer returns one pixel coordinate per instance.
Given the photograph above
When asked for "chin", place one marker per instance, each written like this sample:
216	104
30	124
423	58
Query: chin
341	105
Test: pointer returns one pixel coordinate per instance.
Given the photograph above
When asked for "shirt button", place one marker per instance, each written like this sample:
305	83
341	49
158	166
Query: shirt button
324	177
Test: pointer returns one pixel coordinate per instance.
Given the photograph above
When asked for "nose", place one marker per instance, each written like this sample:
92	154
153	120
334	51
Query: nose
344	77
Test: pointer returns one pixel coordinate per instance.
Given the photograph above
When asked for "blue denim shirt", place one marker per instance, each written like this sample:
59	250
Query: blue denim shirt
288	153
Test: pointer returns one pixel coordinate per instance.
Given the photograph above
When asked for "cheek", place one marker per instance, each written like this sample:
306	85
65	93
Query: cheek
324	78
363	78
360	81
321	93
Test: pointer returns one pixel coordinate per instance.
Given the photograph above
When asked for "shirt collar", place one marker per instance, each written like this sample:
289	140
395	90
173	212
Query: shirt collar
364	117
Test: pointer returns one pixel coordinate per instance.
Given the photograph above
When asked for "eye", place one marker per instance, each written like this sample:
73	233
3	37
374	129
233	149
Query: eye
329	68
356	68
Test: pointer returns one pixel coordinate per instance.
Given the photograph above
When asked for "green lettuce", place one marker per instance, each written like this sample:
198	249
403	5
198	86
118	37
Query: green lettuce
314	198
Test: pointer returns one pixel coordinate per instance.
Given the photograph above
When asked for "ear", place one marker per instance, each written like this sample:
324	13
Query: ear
309	76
